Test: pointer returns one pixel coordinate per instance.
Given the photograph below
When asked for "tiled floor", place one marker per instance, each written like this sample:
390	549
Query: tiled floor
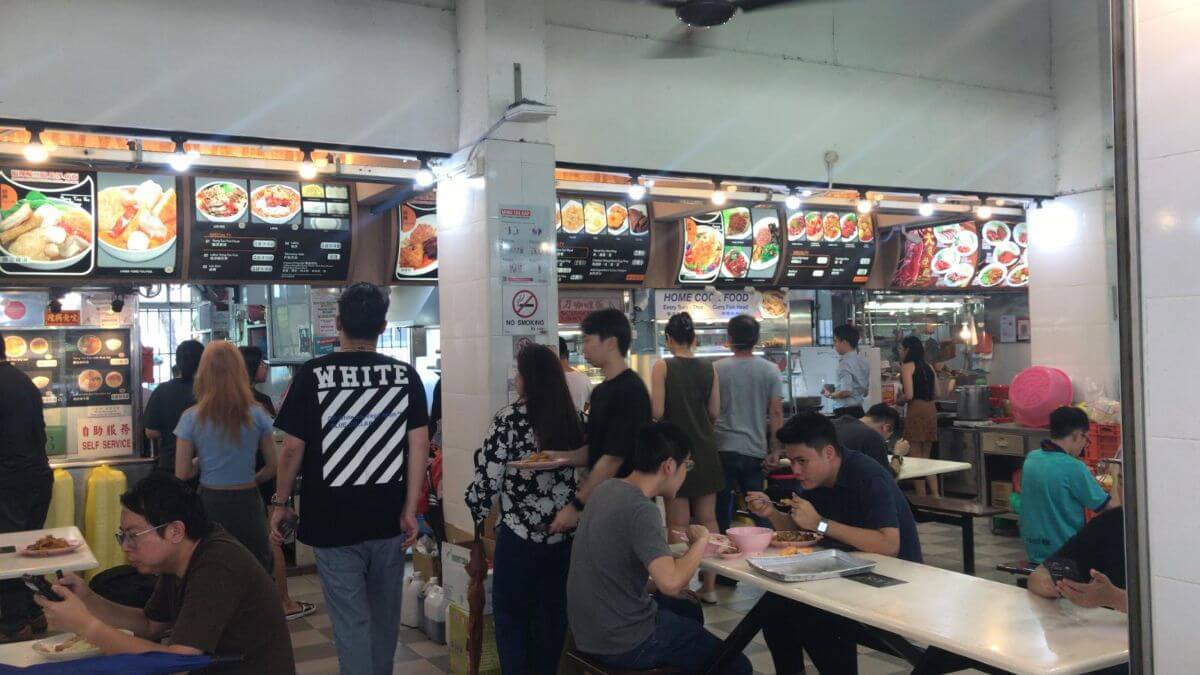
312	637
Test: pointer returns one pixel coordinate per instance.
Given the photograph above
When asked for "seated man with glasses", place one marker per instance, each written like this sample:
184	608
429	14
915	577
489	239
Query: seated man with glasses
212	593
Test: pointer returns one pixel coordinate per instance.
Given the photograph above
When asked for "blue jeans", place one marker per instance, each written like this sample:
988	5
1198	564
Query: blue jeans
529	598
679	640
742	474
361	583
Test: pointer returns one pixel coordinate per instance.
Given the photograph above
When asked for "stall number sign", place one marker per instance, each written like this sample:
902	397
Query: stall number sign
524	309
708	306
104	436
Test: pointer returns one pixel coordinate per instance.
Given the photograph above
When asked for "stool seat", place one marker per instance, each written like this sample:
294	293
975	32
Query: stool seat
590	665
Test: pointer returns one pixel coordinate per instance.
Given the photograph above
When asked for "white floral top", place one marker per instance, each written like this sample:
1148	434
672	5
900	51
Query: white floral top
529	500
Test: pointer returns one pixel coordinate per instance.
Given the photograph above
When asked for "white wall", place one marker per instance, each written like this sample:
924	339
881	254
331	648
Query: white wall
364	72
951	93
1168	135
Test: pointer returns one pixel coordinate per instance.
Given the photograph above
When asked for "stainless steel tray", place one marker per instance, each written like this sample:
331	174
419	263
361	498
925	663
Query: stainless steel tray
825	564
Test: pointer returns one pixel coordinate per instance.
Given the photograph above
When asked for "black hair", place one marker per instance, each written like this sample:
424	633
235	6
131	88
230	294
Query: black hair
681	329
743	331
1067	420
253	356
656	442
609	323
3	353
161	498
548	403
187	358
847	333
362	308
811	429
882	412
916	349
563	350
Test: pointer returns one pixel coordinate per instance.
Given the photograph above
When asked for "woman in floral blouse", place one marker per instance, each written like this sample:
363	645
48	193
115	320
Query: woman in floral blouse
529	585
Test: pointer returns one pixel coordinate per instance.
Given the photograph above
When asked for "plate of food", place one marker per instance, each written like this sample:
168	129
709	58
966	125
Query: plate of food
737	222
275	203
702	252
992	275
795	226
944	261
136	223
67	647
735	264
89	344
539	461
814	230
1018	276
15	346
222	201
966	242
38	346
418	245
945	234
89	381
773	305
113	344
1006	253
766	245
866	229
618	218
795	539
831	226
50	545
958	276
850	227
1020	234
114	379
595	219
639	219
44	233
572	217
996	232
40	381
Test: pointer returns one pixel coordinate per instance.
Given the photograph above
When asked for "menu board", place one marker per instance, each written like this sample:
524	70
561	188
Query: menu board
752	243
942	256
417	257
1003	255
60	223
37	354
829	248
270	230
96	367
601	240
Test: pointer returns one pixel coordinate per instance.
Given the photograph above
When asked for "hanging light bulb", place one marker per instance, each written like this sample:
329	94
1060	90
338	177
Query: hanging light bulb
806	193
637	192
307	169
864	206
719	198
36	151
424	177
925	209
793	202
984	212
181	160
965	333
941	199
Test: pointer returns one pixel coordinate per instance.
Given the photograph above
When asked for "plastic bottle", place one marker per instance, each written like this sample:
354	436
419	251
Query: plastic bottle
435	614
410	613
421	601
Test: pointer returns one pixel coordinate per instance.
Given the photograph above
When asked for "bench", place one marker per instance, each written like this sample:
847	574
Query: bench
588	665
961	512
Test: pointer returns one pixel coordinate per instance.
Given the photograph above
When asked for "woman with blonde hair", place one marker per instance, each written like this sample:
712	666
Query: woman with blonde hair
220	436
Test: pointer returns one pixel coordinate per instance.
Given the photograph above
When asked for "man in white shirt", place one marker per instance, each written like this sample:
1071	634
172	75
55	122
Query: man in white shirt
579	384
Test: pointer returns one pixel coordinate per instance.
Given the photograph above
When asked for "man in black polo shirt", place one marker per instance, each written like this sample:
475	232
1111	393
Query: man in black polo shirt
1098	551
856	504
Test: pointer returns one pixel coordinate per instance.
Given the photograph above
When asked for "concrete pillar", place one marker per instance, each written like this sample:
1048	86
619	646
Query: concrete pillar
483	261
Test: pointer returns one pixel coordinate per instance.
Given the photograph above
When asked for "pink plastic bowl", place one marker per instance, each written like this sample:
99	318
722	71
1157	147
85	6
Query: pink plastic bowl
1038	391
750	540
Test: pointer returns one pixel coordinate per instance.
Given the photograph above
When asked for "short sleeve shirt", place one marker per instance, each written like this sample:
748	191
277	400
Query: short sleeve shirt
620	533
163	410
225	605
854	435
866	496
619	407
353	410
747	387
225	459
1056	489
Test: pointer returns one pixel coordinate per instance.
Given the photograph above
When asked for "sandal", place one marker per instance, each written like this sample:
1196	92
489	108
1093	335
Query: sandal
304	609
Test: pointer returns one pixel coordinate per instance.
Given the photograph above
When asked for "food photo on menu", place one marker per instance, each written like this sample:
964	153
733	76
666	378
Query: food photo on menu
1004	255
46	222
601	240
752	243
703	247
942	256
97	367
137	221
418	249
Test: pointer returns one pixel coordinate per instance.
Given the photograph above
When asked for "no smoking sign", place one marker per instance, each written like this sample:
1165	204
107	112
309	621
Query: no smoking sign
525	309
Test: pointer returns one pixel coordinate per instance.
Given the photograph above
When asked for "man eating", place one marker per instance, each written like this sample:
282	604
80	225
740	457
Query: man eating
870	433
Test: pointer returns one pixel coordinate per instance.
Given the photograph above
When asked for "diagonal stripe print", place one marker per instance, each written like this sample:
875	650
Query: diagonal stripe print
384	423
329	410
362	398
349	443
380	456
391	470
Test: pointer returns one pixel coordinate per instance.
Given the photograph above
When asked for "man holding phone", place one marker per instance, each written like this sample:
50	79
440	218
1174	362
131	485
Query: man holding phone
1089	570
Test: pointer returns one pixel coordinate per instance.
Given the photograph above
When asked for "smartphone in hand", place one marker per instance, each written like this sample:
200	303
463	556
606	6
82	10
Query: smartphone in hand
1063	568
287	528
39	585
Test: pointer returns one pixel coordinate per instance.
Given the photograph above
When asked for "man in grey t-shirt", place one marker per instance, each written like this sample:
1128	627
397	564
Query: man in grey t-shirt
751	413
619	545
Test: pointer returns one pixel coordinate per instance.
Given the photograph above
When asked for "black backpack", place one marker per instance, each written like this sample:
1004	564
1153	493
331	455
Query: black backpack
124	585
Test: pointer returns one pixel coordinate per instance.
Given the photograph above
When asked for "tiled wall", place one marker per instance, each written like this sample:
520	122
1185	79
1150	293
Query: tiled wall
1168	135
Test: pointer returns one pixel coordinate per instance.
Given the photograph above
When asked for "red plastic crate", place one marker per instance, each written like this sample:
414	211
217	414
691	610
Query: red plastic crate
1105	442
998	391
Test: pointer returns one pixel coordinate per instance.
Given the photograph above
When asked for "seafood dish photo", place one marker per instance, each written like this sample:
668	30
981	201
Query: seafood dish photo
45	233
222	201
136	222
275	204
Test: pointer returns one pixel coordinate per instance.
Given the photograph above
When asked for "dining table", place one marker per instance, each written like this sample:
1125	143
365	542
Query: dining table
18	564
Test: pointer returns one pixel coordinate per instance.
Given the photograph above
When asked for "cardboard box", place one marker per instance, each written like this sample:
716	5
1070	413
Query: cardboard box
429	565
457	618
1001	491
455	578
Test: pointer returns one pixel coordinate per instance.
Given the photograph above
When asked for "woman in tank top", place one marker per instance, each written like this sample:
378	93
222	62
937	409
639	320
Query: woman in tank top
920	389
684	390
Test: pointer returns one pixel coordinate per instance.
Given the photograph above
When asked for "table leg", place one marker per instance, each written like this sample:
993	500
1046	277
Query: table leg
736	642
968	542
938	662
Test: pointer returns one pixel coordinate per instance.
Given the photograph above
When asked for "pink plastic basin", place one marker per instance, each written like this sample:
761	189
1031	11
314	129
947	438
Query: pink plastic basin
1038	391
750	540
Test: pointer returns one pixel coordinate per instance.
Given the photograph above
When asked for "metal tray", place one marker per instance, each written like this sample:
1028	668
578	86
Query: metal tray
820	565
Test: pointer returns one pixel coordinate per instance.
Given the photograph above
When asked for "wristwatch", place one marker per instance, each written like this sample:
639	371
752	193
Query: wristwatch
823	526
276	501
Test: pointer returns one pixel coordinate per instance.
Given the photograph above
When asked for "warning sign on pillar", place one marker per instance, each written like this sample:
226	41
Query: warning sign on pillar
525	309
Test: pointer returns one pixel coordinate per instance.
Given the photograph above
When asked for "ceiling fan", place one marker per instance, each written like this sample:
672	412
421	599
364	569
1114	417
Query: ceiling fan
696	16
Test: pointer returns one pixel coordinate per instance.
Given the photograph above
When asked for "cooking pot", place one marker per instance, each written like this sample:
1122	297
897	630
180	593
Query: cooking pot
973	402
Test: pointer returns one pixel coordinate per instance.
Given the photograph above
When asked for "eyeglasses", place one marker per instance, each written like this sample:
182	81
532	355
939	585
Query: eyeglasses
131	538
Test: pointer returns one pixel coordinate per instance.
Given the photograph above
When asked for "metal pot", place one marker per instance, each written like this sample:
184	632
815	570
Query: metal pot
973	402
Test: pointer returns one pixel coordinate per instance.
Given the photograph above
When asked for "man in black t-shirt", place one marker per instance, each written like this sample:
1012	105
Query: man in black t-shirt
619	406
870	433
25	487
169	400
1098	551
357	426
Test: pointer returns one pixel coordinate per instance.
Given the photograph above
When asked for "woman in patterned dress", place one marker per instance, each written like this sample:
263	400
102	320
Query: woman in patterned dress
530	566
